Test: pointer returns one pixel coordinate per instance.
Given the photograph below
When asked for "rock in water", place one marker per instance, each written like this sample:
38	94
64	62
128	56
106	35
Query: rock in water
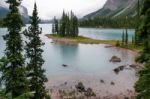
134	66
115	59
80	87
64	65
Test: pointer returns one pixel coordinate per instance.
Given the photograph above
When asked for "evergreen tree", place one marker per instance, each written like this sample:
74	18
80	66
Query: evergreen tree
126	37
12	67
138	8
145	26
67	25
75	24
133	40
63	25
123	38
34	54
142	86
56	26
53	28
71	23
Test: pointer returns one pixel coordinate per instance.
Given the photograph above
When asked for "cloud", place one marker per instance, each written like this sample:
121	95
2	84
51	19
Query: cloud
49	8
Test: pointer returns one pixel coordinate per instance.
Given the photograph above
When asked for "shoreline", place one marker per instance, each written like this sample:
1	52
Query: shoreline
101	86
86	40
78	40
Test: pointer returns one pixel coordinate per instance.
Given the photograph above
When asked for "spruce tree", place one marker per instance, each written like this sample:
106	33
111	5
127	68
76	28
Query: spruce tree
123	38
142	31
138	8
56	25
34	55
67	25
71	23
63	25
53	28
133	40
76	31
126	37
142	86
13	72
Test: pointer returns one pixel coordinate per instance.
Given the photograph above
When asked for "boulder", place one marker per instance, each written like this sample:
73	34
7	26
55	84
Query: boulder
115	59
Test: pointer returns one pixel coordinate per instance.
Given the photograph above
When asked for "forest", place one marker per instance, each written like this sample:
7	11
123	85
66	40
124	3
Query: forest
109	22
66	26
1	23
22	74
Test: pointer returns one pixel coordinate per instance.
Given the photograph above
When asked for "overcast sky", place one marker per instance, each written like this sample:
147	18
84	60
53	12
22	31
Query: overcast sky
50	8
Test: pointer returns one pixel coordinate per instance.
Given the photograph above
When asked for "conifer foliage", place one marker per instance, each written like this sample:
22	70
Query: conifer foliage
142	86
125	37
67	26
13	73
34	54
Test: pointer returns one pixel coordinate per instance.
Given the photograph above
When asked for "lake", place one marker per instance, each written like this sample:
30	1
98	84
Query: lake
87	63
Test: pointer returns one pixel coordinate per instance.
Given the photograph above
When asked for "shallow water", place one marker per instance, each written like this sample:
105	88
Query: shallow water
87	63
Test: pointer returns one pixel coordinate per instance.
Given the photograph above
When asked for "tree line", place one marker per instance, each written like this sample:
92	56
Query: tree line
22	75
108	22
67	26
1	22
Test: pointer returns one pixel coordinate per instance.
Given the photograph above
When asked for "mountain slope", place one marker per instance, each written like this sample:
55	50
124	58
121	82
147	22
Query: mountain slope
116	8
4	9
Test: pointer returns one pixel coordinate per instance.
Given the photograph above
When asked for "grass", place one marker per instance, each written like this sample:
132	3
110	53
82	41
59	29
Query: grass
80	39
133	47
86	40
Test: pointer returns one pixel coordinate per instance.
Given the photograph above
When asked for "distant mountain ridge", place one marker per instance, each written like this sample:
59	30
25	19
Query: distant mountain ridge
4	9
116	8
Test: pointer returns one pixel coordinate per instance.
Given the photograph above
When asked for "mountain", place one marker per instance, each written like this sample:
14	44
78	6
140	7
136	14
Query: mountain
116	8
4	9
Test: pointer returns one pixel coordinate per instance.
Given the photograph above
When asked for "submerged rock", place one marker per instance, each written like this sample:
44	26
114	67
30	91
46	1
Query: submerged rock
112	83
115	59
64	65
134	65
102	81
89	93
80	87
118	69
108	46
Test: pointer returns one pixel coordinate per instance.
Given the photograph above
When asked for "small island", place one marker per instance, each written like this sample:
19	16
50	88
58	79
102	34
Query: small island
78	39
66	31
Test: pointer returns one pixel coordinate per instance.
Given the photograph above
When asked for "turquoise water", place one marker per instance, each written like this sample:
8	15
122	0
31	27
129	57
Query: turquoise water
105	34
86	62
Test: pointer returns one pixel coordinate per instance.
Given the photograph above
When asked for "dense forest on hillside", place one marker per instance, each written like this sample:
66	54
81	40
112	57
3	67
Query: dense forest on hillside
108	22
1	22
